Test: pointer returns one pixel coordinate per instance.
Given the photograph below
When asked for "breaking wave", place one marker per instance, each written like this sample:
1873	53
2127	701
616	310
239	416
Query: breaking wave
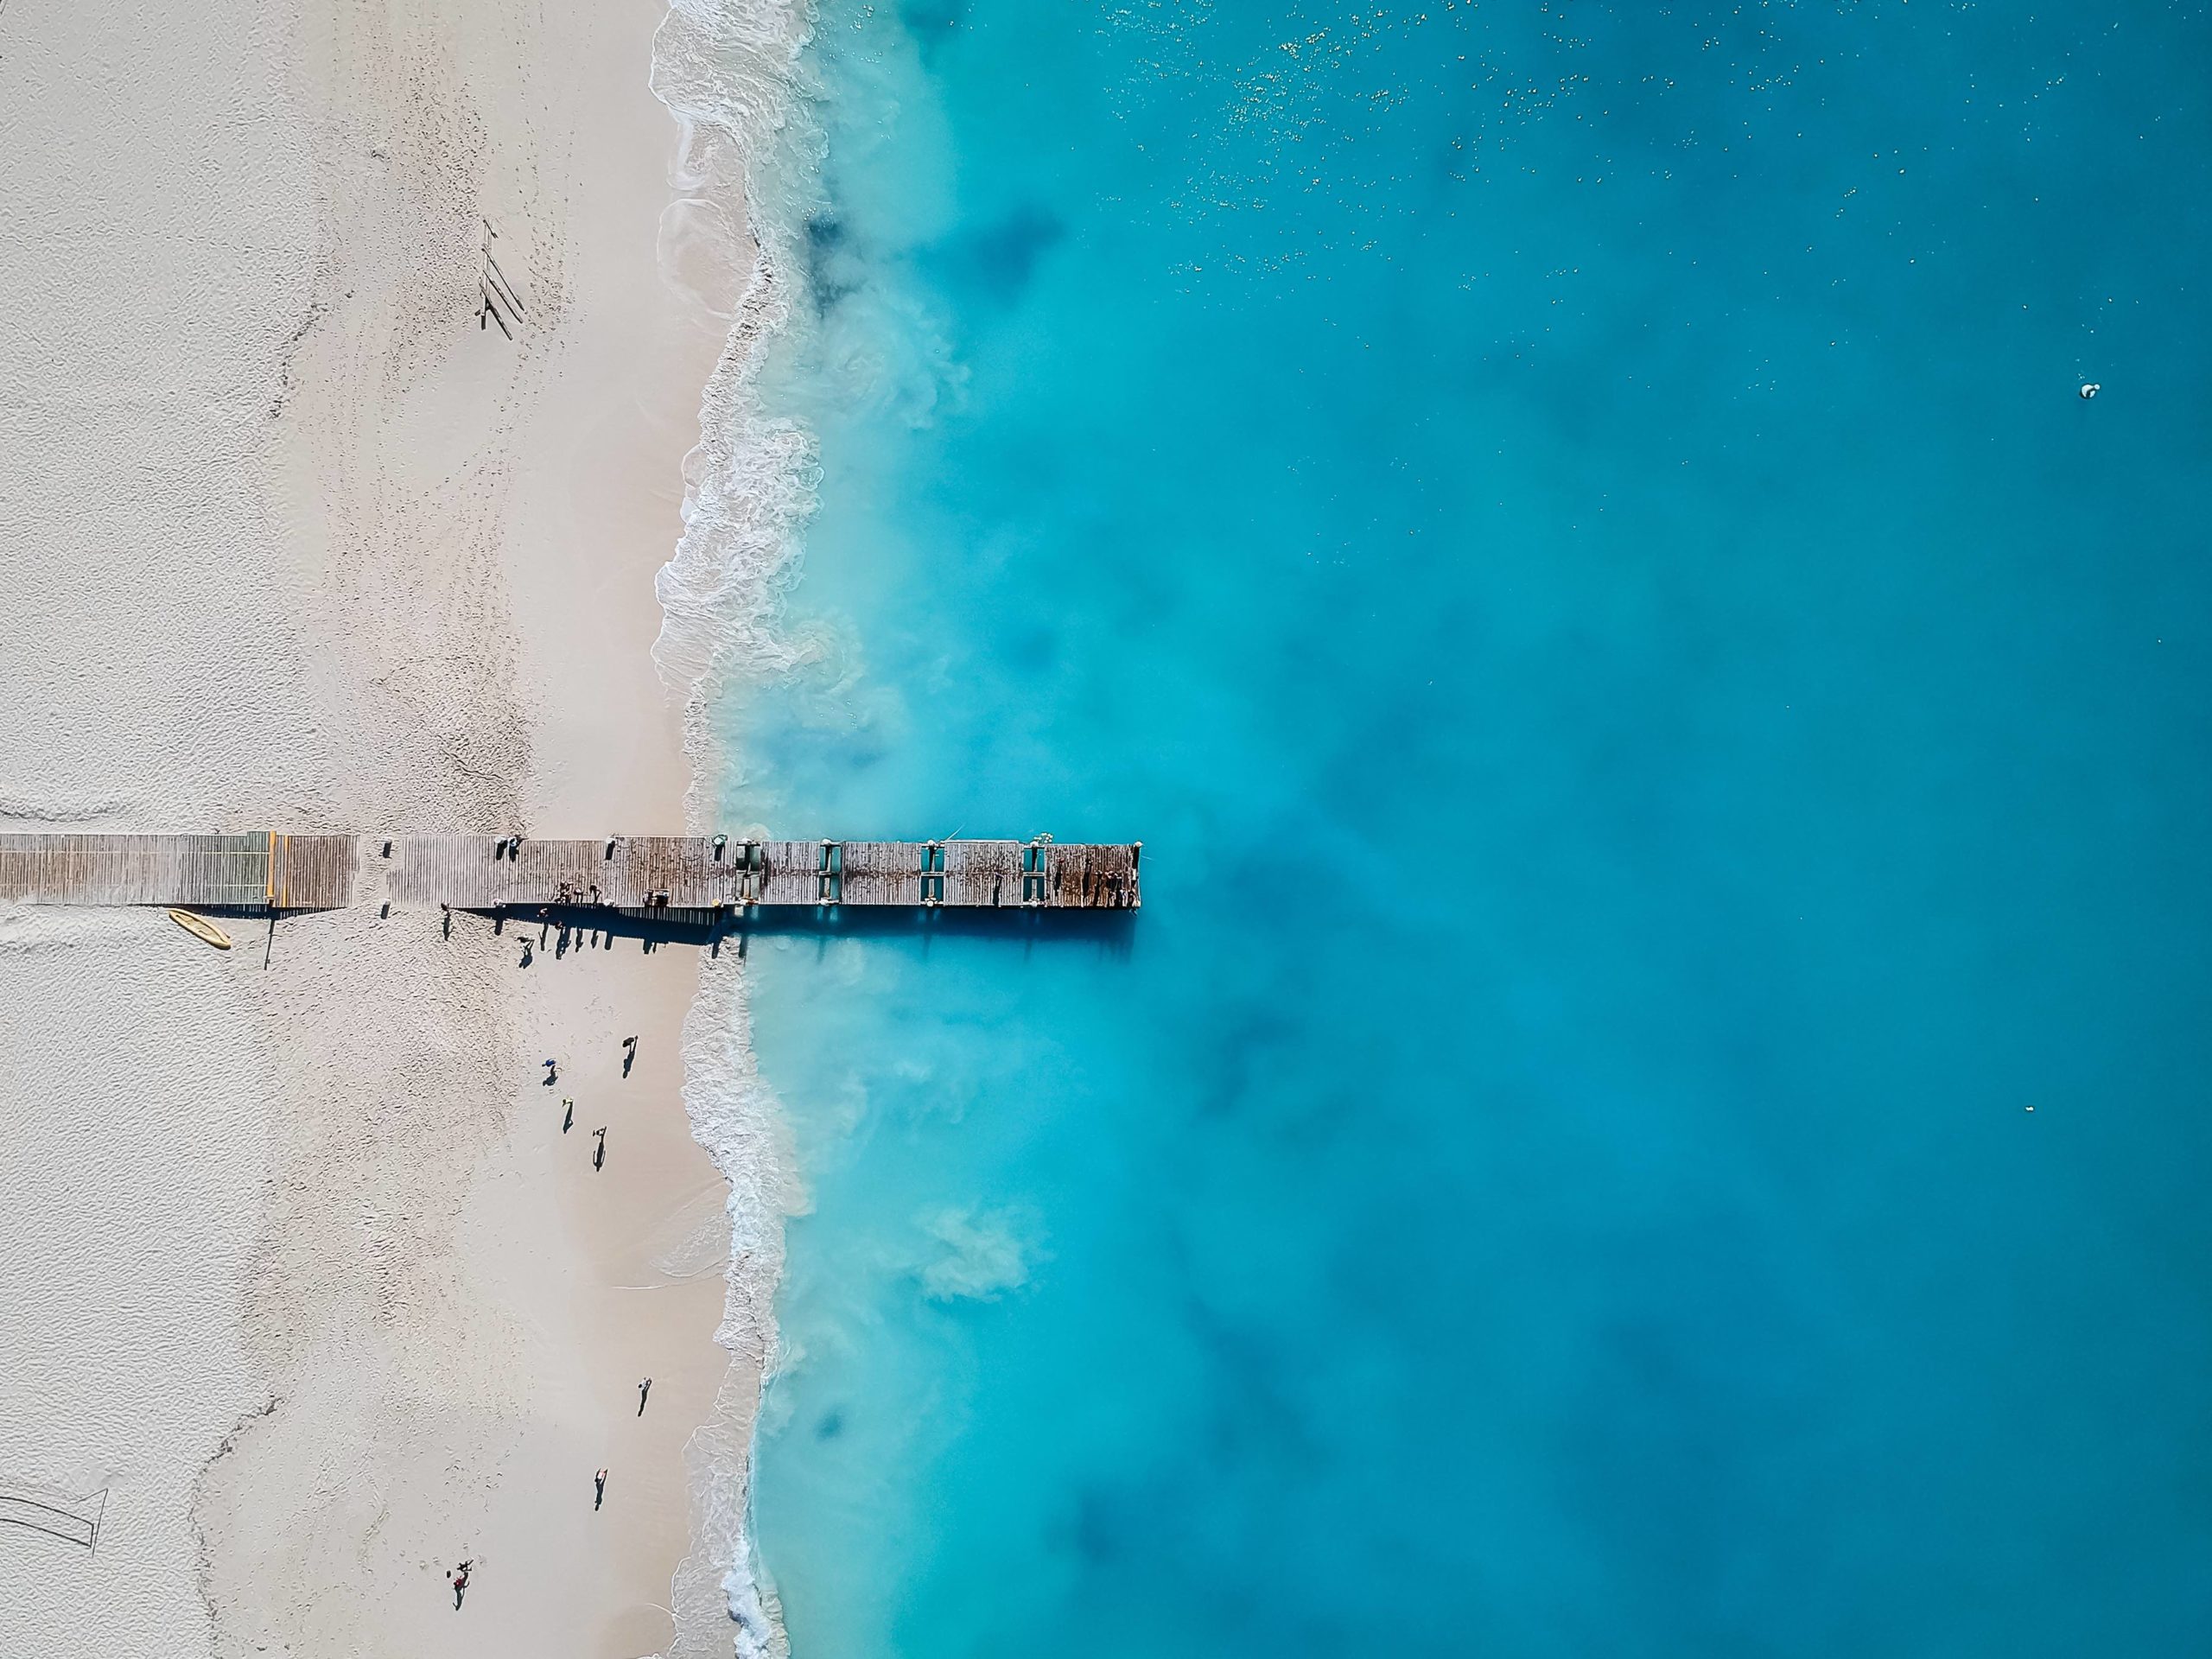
726	70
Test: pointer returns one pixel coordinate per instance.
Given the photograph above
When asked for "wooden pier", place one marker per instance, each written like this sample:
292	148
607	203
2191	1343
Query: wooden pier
274	872
262	871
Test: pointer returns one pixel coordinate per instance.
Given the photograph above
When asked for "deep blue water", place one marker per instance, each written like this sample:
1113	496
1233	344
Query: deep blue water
1660	724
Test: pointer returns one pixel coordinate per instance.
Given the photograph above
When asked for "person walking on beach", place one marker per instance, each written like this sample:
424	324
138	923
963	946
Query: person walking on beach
598	1489
460	1583
570	1116
599	1151
552	1068
629	1054
644	1388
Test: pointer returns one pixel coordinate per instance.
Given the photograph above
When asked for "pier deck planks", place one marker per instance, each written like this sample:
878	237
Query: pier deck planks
651	873
279	872
1091	878
985	874
792	873
249	872
880	873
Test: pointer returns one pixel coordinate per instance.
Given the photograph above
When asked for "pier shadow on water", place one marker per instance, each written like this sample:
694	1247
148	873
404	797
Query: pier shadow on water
1110	932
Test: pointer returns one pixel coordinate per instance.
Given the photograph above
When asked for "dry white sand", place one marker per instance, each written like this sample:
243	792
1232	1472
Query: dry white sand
303	1275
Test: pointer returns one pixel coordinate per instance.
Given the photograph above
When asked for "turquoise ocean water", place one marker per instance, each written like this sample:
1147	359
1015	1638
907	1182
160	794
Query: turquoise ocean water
1660	725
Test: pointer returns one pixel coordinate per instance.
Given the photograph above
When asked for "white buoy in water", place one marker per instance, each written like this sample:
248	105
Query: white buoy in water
2090	389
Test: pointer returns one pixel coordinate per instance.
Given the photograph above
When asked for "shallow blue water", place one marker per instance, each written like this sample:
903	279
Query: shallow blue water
1660	723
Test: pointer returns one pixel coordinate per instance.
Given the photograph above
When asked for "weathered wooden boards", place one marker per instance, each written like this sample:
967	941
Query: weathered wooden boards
250	871
278	872
312	872
665	873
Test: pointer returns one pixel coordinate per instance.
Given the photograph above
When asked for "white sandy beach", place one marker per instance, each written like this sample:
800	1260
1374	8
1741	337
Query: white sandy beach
305	1277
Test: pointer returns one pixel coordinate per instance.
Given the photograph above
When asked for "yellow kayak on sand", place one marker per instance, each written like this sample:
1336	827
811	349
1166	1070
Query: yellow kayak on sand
201	928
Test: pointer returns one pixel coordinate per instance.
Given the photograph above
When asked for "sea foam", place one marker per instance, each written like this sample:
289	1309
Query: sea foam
734	1116
726	70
